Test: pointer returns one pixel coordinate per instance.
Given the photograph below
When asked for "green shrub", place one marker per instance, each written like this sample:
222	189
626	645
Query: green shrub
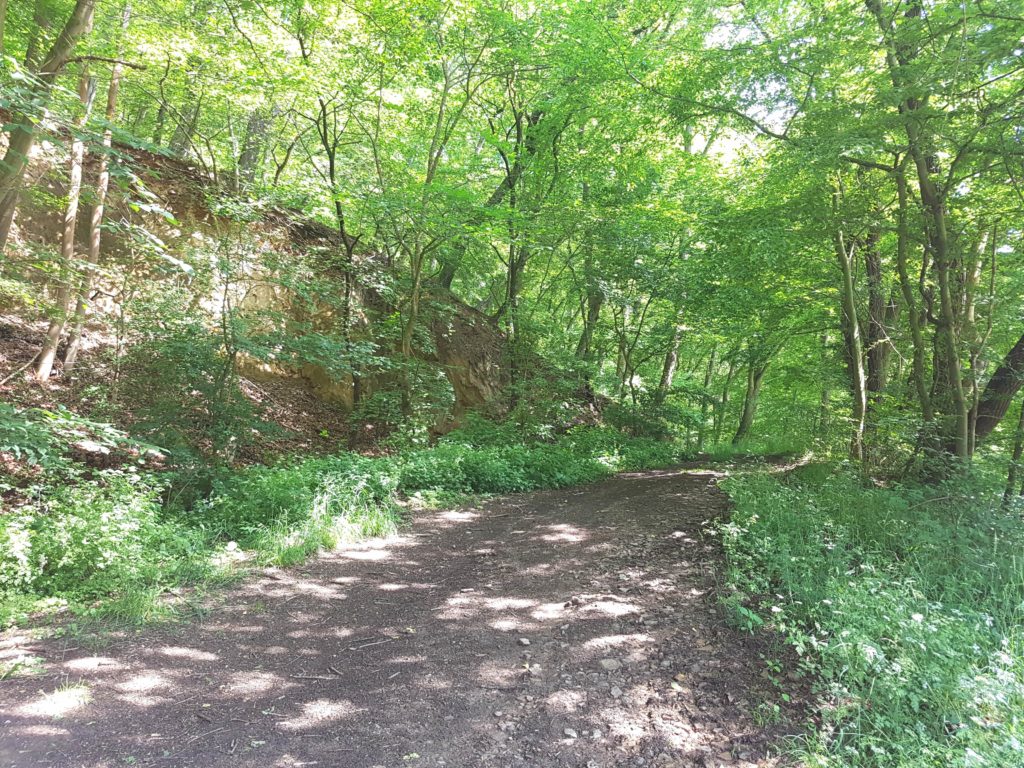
437	469
904	604
43	438
477	431
245	504
90	538
179	382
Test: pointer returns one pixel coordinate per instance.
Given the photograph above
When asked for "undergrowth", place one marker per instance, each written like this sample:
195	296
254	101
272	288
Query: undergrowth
905	605
122	541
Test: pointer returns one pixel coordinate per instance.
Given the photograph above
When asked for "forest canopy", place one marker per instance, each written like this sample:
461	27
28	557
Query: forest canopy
655	204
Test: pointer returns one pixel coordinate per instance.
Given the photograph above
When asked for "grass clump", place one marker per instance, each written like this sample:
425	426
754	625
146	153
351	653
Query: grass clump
905	605
287	512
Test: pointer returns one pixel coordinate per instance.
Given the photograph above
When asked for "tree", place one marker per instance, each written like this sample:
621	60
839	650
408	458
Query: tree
41	80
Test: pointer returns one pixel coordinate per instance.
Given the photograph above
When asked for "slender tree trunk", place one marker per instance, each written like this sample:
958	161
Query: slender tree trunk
518	258
950	366
41	24
705	401
755	377
914	318
409	327
825	400
880	310
3	24
158	128
722	406
48	353
96	219
851	332
622	358
22	137
977	339
181	141
591	310
251	156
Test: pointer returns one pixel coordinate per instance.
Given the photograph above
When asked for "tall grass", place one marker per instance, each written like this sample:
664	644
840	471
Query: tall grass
904	605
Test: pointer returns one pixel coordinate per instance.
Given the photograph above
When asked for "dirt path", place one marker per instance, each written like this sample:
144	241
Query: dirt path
564	628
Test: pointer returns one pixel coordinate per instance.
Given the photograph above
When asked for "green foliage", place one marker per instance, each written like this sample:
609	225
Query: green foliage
179	379
650	418
342	489
459	468
97	536
44	438
25	438
904	604
484	457
645	212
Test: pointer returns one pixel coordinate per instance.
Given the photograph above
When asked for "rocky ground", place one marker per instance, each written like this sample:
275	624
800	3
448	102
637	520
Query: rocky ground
566	628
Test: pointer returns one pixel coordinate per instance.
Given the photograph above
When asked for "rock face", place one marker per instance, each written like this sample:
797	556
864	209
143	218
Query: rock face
472	349
468	345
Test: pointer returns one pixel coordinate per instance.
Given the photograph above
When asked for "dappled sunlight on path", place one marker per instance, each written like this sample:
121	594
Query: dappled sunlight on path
566	628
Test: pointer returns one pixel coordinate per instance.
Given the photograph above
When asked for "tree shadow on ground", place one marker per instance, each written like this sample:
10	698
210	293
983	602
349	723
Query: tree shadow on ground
565	628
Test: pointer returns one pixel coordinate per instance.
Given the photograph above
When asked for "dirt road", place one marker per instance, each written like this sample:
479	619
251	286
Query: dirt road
564	628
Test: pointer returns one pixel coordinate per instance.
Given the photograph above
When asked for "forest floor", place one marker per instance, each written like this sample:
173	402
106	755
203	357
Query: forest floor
576	627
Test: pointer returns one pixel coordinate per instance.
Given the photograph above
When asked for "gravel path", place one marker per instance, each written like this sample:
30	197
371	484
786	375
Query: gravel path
564	628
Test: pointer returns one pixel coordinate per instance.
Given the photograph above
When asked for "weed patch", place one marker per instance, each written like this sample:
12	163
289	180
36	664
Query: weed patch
904	606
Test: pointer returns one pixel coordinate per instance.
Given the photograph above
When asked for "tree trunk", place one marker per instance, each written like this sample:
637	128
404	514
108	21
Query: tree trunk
22	137
705	401
3	24
825	400
96	219
1001	389
181	141
519	256
622	357
949	354
158	129
880	310
48	353
914	317
722	406
591	311
975	338
755	376
668	369
42	23
251	156
851	333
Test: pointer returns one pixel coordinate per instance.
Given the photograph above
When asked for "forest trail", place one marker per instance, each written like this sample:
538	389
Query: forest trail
575	627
